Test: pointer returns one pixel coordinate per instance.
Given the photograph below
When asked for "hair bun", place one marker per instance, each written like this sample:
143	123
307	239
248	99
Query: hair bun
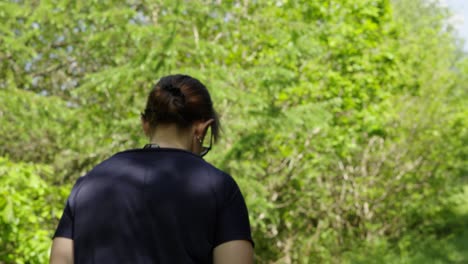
173	90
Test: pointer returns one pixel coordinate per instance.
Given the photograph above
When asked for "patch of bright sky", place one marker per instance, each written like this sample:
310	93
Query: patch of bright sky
459	20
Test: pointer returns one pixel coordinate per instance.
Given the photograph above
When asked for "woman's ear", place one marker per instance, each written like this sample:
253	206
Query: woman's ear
201	127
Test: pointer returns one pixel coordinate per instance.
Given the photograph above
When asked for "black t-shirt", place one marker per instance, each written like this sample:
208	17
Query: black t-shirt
155	205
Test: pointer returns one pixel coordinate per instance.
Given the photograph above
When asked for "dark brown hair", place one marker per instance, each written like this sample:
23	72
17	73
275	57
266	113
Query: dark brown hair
181	100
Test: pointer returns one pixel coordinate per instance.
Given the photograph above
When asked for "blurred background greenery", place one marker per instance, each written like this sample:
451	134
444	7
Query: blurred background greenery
344	121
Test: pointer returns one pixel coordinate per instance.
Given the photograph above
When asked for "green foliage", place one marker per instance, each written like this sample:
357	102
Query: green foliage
344	121
29	209
427	247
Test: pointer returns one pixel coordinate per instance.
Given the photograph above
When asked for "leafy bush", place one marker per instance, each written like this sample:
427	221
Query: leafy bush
29	209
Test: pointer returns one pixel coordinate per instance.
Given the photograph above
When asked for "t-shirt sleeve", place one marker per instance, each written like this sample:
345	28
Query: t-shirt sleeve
232	218
65	226
66	223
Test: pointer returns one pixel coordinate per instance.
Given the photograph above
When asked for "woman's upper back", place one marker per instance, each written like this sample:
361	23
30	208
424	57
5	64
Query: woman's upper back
153	206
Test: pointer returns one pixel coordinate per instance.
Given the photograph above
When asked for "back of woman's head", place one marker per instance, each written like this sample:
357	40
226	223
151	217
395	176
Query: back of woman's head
180	100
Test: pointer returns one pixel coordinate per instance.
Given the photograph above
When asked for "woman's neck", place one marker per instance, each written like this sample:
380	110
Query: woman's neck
171	137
